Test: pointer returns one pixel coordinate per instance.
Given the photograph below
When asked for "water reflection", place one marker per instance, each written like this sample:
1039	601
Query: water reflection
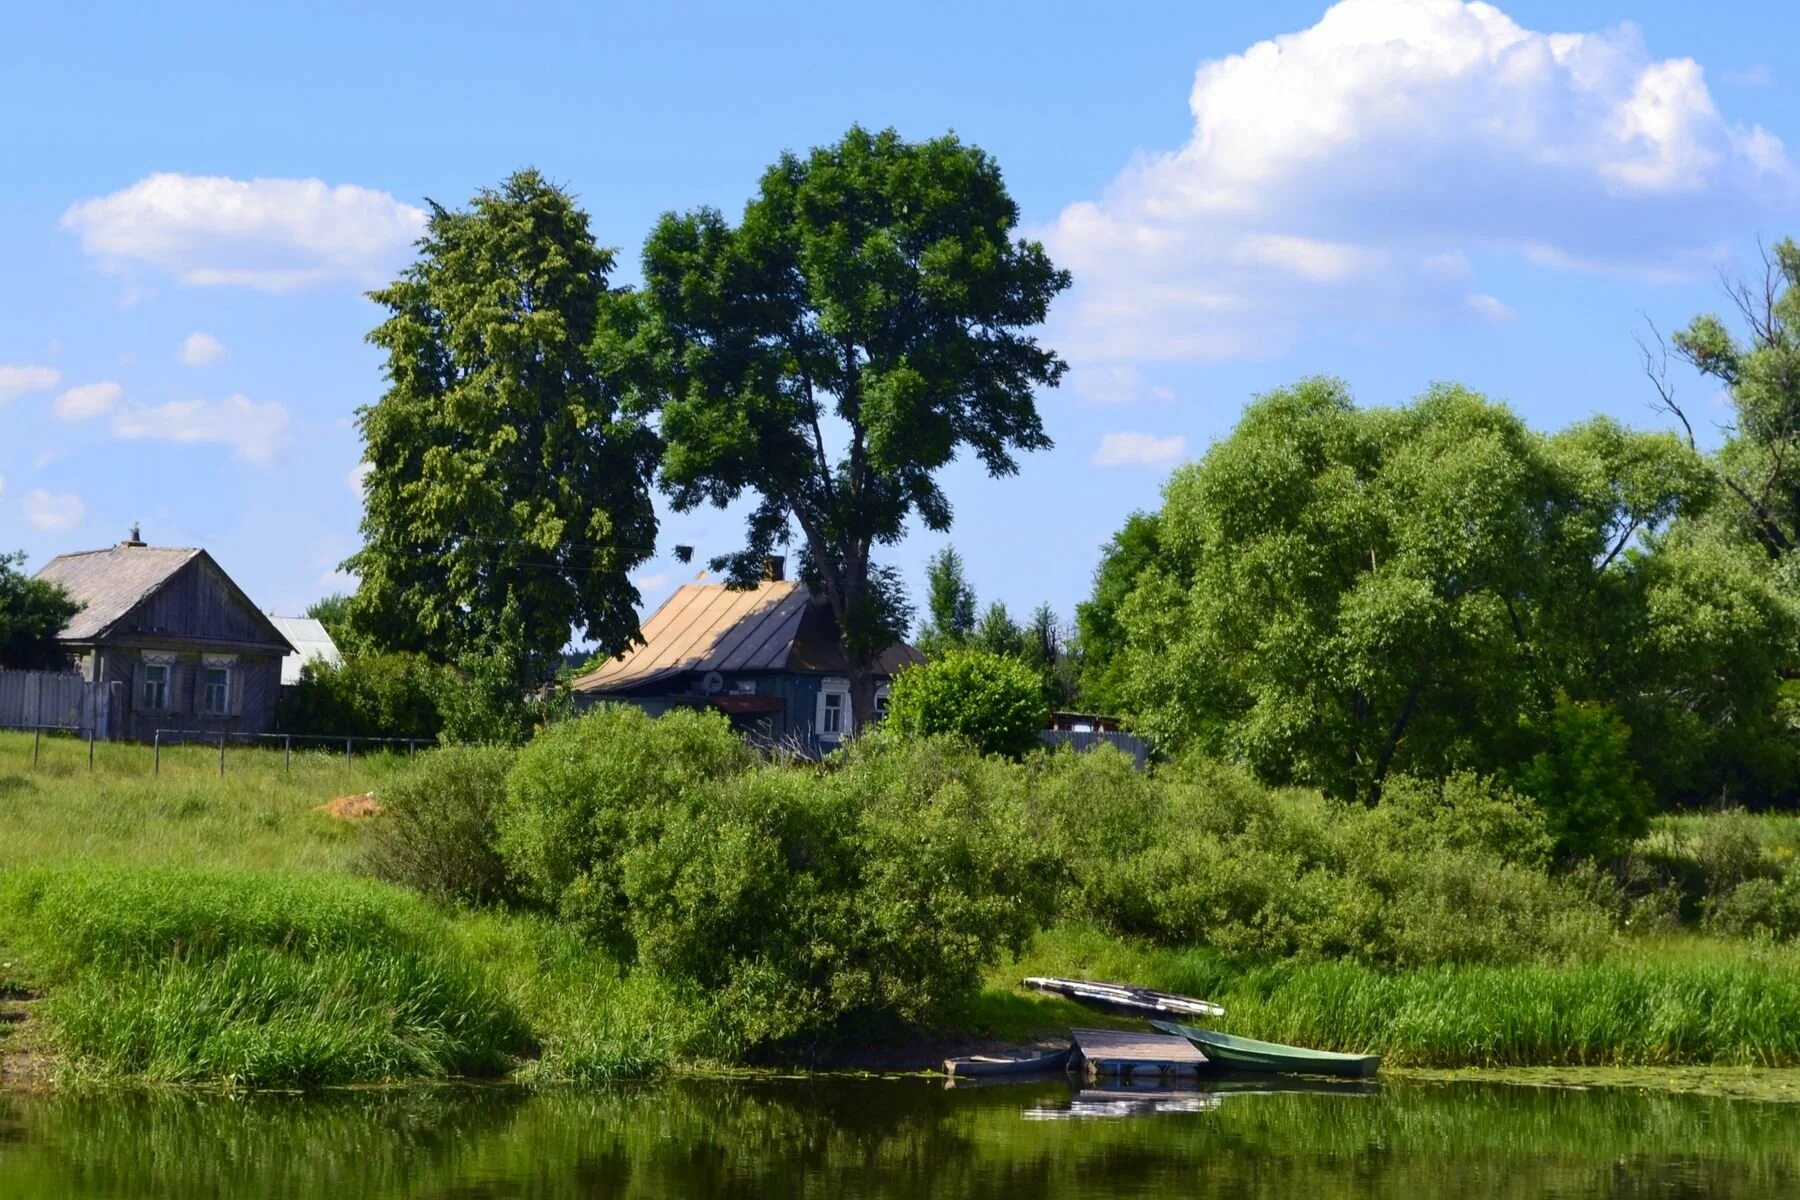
901	1138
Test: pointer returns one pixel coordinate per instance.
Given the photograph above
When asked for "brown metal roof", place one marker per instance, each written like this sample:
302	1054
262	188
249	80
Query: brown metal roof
774	626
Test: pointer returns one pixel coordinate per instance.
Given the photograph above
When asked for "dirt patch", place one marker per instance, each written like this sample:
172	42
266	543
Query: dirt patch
352	808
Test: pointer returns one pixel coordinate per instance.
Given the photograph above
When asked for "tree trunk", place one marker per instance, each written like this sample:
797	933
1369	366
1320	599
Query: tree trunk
862	693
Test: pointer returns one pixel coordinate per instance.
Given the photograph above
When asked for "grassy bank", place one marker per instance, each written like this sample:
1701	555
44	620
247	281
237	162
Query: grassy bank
189	928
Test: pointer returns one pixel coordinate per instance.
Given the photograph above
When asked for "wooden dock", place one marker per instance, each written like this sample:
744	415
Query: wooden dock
1099	1053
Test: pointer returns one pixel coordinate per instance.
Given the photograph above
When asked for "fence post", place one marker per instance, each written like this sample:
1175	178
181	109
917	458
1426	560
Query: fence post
287	753
221	754
156	753
346	753
36	735
90	749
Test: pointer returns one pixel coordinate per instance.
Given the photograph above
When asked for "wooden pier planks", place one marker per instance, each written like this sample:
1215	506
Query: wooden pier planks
1107	1052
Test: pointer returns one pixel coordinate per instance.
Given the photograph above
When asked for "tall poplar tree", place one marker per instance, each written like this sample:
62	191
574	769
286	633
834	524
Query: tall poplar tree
507	495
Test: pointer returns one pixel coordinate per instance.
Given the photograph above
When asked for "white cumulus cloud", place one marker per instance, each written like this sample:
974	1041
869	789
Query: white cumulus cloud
1139	450
1359	170
54	512
253	430
201	349
359	474
272	234
87	401
16	379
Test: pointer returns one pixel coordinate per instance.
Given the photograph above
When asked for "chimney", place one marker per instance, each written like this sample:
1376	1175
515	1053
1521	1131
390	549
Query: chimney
135	539
774	569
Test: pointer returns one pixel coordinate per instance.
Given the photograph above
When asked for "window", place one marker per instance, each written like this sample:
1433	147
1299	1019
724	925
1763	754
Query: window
216	698
881	704
833	724
155	692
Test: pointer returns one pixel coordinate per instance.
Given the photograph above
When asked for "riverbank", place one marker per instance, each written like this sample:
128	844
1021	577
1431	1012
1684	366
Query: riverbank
183	928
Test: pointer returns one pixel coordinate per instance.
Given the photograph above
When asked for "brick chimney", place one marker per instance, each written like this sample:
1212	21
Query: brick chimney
135	539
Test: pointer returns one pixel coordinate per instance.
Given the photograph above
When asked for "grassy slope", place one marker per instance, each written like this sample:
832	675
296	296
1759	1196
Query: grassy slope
203	999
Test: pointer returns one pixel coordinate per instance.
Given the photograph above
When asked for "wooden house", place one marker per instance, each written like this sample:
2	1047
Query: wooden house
770	658
193	653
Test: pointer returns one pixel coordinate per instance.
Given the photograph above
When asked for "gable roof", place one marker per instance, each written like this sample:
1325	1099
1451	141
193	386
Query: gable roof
774	626
310	639
110	583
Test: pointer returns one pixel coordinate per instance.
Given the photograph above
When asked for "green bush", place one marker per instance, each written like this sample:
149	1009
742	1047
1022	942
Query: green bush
996	703
1764	909
881	891
436	831
1586	781
585	790
1204	855
367	695
190	975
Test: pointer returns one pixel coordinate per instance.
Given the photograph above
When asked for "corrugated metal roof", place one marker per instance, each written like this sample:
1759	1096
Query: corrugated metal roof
774	626
110	583
310	640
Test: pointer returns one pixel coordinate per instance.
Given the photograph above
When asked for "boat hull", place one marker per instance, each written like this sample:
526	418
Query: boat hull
1056	1060
1233	1053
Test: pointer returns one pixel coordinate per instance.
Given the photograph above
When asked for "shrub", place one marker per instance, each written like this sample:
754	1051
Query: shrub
367	695
586	789
1587	782
880	891
1757	908
996	703
436	830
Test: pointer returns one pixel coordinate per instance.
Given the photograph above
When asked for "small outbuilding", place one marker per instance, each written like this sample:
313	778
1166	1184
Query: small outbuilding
191	651
769	657
311	642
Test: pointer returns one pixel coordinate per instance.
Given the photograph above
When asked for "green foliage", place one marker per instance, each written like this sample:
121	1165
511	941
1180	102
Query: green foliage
436	834
507	497
32	613
585	790
1133	549
996	703
195	975
949	604
1586	781
366	695
334	613
1337	594
875	281
1204	855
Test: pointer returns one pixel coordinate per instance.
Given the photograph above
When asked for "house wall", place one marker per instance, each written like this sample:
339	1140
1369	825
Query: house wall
795	725
198	603
255	689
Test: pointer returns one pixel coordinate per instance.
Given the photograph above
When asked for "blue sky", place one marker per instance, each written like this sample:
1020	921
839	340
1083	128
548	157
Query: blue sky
1392	191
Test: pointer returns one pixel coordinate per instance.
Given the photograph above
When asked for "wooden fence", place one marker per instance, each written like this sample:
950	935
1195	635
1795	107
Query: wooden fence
1085	740
53	699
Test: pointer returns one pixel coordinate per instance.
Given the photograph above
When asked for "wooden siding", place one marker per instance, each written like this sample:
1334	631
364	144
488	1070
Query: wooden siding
255	689
197	604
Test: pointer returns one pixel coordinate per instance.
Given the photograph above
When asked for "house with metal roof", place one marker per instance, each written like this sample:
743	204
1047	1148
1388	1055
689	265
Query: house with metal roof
187	647
311	642
769	657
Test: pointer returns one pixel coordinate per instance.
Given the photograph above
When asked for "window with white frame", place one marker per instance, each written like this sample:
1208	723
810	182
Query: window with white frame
833	724
881	703
154	693
215	694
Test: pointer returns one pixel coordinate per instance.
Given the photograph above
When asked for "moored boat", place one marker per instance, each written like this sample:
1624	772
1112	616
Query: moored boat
1124	998
982	1064
1235	1053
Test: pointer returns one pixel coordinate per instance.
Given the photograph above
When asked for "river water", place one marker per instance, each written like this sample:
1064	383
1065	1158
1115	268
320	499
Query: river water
899	1138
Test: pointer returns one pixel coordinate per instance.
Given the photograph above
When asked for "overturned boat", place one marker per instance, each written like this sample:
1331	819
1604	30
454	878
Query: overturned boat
1124	998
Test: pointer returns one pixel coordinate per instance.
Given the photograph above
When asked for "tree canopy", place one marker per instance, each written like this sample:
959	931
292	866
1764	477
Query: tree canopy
868	318
1337	594
32	613
949	604
507	496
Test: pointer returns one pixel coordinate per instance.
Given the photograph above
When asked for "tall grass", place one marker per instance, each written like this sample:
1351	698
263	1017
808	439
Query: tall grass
190	975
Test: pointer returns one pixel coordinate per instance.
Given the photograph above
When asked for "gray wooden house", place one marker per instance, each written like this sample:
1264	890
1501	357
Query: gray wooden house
769	657
190	649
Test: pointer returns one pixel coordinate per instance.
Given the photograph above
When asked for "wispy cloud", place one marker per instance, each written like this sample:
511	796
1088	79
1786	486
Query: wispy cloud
87	401
1139	450
253	430
16	379
201	349
275	235
54	512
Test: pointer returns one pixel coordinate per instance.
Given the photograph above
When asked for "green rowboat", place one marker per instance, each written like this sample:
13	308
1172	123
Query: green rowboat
1248	1054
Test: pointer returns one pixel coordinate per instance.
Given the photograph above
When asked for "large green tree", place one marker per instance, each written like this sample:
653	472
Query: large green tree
1131	550
1343	593
949	604
507	495
868	318
32	613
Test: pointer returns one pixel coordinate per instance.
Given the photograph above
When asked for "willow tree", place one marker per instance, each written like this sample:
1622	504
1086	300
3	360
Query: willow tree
508	495
868	318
